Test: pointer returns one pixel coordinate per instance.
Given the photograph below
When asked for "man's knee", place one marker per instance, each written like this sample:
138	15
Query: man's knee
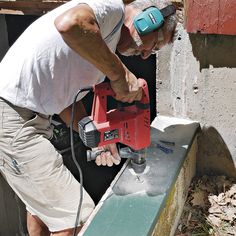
36	227
66	232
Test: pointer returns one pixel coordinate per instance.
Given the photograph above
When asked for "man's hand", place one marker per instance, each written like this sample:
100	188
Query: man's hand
109	156
128	89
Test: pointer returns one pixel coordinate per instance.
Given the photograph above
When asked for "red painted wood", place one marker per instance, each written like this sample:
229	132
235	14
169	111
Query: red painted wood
227	17
211	16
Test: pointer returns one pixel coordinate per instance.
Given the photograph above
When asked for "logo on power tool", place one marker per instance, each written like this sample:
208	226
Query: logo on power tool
111	134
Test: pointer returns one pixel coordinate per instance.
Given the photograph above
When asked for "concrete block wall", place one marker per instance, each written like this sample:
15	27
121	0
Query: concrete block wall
196	79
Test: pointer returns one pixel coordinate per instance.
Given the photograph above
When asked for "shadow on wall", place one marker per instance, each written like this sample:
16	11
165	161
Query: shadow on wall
215	50
214	157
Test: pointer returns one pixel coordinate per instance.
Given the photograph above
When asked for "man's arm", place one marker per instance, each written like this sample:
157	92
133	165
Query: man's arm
80	31
80	113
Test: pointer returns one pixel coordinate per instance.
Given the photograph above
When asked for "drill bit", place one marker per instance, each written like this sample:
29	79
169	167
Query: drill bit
138	162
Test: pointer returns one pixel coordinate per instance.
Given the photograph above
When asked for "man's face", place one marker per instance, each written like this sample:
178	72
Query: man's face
145	45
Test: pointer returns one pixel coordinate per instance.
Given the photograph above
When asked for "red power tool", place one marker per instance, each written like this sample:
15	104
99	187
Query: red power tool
129	125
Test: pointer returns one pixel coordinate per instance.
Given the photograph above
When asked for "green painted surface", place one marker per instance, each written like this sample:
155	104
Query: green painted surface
130	215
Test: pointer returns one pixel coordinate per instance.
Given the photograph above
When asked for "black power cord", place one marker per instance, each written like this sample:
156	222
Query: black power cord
73	155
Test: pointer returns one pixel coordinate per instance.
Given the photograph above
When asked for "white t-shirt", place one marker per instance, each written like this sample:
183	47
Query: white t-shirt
41	73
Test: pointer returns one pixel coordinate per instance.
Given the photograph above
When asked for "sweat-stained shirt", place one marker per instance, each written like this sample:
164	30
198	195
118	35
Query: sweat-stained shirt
42	73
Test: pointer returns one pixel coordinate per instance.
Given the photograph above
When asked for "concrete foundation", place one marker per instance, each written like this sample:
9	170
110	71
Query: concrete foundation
171	213
196	79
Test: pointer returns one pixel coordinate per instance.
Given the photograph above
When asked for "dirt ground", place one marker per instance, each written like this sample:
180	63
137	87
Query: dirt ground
210	208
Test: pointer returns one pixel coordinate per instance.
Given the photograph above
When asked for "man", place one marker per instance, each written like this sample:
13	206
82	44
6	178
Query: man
65	50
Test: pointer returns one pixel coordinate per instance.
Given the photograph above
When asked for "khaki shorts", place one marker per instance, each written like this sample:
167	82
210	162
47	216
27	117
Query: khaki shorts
35	170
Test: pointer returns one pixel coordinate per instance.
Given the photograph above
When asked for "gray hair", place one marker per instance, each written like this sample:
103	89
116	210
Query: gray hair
170	21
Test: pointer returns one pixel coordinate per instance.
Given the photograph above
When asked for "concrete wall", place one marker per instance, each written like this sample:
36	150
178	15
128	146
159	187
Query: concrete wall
196	79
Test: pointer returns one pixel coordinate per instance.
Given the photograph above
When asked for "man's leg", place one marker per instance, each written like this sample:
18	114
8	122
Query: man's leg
35	171
36	227
67	232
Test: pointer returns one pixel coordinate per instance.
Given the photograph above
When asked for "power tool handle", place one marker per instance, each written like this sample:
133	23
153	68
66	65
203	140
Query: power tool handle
124	152
102	91
92	154
143	103
99	109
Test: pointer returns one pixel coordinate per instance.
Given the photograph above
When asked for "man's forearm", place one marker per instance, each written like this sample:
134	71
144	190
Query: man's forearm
79	29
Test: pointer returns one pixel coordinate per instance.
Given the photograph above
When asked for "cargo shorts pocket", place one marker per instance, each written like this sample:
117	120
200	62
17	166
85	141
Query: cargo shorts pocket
24	133
32	128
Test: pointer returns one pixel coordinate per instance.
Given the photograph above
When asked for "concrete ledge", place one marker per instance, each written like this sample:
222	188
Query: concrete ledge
171	213
150	203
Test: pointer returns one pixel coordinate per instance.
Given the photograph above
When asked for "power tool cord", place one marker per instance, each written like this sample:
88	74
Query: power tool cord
73	156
